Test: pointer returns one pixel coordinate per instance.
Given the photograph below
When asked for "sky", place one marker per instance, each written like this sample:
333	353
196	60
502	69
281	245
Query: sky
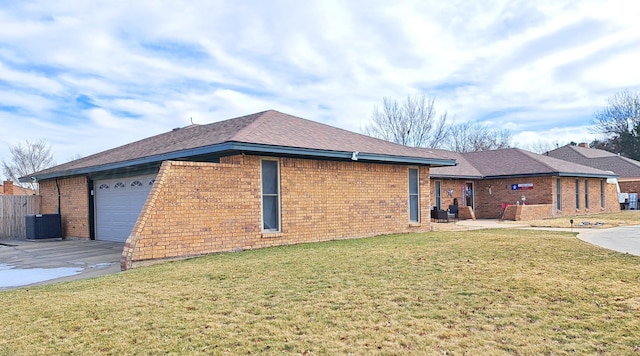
87	76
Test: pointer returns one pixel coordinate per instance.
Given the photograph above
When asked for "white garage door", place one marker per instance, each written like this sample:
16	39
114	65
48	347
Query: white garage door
118	203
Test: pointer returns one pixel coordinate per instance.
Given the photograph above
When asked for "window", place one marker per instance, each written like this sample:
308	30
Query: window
558	195
119	185
414	196
602	194
577	194
136	183
270	196
586	194
438	195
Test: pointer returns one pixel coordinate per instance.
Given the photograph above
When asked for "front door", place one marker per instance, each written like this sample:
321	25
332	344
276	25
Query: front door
468	194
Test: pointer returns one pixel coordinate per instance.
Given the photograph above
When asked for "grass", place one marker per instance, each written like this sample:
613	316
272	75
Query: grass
621	218
474	292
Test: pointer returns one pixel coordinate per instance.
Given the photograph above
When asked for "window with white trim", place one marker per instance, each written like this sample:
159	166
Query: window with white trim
577	194
438	194
270	196
414	195
602	194
586	194
558	194
136	183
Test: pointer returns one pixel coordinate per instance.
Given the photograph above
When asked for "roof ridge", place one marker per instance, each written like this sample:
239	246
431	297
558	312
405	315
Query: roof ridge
535	156
582	151
258	117
575	149
629	160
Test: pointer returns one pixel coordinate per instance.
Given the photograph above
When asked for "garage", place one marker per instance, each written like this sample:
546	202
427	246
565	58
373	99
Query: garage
118	202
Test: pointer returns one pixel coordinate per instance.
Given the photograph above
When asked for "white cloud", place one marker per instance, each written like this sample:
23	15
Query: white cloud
553	137
538	68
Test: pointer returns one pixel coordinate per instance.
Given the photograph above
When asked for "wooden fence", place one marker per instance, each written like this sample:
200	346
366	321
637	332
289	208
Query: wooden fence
13	209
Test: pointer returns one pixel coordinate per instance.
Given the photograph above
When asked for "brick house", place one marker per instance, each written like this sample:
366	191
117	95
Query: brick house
8	188
260	180
492	184
627	169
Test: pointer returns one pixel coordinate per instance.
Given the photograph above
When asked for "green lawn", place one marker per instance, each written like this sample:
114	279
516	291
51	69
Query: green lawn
474	292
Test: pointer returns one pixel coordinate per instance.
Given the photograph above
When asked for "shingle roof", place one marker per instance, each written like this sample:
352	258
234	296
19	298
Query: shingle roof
600	159
512	162
268	130
464	168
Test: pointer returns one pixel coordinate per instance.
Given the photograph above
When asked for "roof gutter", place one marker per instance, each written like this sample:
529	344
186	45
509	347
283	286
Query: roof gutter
249	148
553	174
343	155
452	176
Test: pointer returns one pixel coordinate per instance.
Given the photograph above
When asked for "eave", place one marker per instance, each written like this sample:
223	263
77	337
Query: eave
453	176
228	148
553	174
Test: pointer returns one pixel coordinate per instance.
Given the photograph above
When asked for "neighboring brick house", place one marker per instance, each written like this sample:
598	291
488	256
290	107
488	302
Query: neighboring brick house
260	180
8	188
627	170
490	181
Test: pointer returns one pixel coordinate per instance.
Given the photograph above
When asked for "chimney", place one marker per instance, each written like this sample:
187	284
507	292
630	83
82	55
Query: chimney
583	145
7	187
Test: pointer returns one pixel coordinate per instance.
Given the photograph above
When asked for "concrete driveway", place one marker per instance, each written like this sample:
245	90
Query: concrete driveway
33	262
625	239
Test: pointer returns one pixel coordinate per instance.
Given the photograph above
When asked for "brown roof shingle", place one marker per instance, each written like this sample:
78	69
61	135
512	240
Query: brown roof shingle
515	162
600	159
464	168
271	128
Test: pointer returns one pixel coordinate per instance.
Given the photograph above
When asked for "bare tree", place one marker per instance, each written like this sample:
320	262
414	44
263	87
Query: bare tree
542	146
619	123
476	136
412	123
30	158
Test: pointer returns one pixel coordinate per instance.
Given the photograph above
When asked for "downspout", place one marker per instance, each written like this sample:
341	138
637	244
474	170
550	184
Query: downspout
58	188
59	209
91	212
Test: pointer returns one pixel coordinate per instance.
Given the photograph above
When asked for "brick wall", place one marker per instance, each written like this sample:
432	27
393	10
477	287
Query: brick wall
527	212
489	202
491	194
74	204
630	186
199	208
569	197
7	188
